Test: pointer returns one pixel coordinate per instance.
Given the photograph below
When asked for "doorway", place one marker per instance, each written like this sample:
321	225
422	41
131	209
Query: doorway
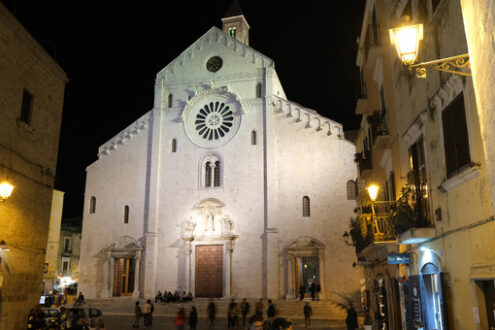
123	280
209	271
308	271
486	303
432	288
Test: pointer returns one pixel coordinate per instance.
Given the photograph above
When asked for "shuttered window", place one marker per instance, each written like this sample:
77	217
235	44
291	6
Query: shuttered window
455	137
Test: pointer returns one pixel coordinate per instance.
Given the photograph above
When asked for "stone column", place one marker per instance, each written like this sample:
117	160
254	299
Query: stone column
187	279
106	287
228	269
321	264
291	290
137	292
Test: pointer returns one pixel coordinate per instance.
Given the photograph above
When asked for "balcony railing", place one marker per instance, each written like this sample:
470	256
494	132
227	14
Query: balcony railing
379	128
388	221
372	38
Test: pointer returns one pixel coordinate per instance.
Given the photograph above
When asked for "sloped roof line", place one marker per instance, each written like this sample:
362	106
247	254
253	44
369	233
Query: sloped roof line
234	10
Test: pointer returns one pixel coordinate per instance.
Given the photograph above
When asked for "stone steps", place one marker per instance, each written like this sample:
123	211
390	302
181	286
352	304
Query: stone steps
293	309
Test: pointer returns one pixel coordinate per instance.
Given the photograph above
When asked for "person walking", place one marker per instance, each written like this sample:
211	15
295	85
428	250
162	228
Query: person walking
318	290
211	314
270	312
312	289
232	314
193	318
351	319
308	311
137	315
180	319
147	314
302	291
256	322
244	311
258	309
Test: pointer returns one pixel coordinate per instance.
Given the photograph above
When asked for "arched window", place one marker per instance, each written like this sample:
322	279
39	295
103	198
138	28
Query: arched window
217	173
351	190
92	205
211	171
126	214
173	146
258	90
170	100
208	174
253	138
306	207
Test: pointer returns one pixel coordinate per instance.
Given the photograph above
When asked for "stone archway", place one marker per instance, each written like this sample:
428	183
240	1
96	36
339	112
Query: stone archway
300	249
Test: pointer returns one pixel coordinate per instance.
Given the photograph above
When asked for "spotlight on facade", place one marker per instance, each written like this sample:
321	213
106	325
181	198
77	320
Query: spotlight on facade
5	191
406	40
4	247
373	192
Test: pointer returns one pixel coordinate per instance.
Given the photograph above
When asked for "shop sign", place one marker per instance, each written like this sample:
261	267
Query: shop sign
398	258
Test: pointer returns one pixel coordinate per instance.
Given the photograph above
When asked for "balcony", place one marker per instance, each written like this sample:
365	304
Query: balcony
379	131
372	44
391	223
363	159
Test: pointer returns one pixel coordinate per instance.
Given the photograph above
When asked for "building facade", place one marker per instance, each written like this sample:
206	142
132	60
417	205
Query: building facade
31	98
225	188
424	244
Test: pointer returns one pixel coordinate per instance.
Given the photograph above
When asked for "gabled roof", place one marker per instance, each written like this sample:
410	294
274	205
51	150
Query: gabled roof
234	10
215	35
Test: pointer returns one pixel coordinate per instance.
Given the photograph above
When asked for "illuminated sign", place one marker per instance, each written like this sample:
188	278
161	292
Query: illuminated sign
398	258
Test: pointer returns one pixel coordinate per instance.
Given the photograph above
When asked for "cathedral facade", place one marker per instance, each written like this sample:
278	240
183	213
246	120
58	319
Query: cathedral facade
225	188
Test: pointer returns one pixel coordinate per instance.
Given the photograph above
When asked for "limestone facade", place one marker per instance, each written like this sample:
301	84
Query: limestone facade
447	236
265	180
29	137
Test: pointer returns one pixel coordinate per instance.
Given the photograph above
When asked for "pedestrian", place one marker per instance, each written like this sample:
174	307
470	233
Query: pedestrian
270	312
302	291
211	313
256	322
193	318
351	319
232	314
258	308
137	315
79	300
312	289
180	319
244	311
147	314
318	290
308	311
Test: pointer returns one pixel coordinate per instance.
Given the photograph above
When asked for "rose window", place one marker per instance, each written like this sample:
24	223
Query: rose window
214	121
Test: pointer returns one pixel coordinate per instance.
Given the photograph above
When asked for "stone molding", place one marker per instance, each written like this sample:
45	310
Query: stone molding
126	135
308	118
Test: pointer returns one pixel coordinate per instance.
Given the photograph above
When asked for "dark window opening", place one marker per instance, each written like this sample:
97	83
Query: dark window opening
27	107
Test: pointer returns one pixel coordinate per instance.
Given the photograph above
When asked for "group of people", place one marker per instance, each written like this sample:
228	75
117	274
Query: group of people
176	297
146	313
314	289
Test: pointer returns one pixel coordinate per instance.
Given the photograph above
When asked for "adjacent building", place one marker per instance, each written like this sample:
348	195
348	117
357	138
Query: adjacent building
426	243
225	188
31	98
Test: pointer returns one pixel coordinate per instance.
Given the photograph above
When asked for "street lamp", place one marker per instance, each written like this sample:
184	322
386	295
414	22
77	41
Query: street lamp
373	192
5	191
406	40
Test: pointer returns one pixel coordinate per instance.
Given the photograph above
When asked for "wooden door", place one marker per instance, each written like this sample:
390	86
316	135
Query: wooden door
123	277
209	271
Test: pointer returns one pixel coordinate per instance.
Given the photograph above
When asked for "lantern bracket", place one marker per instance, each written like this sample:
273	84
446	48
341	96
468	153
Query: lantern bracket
454	64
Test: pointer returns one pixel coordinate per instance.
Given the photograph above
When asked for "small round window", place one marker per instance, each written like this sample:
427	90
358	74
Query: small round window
214	64
214	121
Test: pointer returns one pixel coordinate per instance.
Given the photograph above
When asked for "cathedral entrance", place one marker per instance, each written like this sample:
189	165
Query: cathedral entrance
308	272
123	281
209	271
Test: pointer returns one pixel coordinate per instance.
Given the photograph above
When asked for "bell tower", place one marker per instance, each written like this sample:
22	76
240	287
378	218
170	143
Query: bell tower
234	23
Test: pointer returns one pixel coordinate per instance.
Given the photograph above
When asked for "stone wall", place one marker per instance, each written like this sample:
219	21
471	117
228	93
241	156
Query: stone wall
28	155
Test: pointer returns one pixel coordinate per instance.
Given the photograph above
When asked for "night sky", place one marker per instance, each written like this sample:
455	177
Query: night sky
112	50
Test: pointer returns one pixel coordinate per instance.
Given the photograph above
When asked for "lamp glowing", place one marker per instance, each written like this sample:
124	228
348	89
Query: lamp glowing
406	40
373	191
5	190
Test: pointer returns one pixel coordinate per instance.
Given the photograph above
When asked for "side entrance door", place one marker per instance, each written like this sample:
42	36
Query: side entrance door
209	271
123	277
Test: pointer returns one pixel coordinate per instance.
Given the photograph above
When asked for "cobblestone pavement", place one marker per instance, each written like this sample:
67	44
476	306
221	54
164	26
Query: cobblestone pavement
124	322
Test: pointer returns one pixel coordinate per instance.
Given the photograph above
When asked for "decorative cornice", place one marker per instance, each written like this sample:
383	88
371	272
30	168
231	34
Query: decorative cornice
308	118
127	134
